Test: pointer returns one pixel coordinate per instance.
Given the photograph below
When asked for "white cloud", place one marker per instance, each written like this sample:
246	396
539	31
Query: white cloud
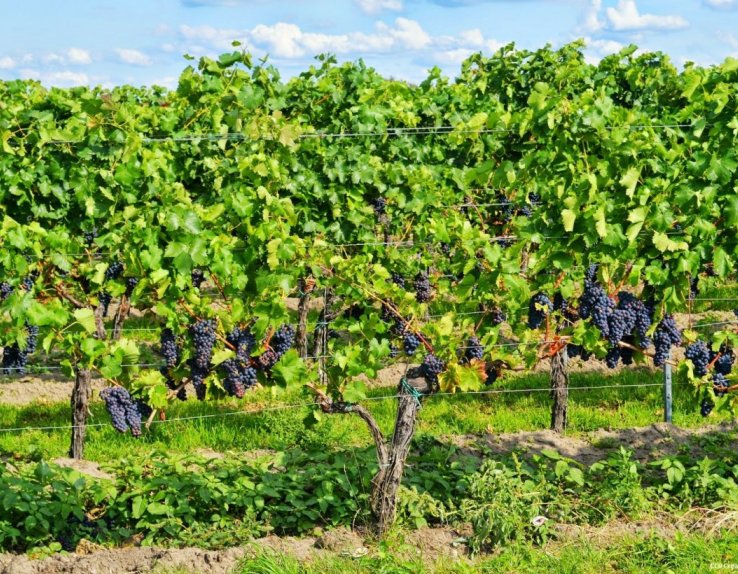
591	20
376	6
287	40
7	63
73	56
133	57
61	78
627	17
78	56
721	4
599	48
218	38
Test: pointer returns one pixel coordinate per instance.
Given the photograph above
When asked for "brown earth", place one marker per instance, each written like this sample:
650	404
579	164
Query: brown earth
648	443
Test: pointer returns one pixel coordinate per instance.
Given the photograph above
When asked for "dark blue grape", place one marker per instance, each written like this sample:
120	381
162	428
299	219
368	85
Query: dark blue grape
432	367
699	354
169	348
267	360
398	280
118	402
5	290
498	316
131	283
203	339
538	309
104	298
667	334
410	342
379	204
706	407
113	271
474	349
613	357
423	289
243	342
283	339
197	277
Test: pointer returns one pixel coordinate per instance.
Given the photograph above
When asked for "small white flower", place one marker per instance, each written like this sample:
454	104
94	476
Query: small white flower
539	521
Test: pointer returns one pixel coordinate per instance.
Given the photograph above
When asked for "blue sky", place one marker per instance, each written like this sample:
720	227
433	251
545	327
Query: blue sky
143	41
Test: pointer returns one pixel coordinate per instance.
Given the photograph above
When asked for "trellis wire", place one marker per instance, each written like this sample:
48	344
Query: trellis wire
296	406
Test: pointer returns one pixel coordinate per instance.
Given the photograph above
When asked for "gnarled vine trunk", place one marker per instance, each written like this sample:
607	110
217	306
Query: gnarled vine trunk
301	337
391	456
80	404
559	391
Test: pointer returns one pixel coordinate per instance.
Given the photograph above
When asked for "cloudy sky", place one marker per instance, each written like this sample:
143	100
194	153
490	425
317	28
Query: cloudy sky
143	41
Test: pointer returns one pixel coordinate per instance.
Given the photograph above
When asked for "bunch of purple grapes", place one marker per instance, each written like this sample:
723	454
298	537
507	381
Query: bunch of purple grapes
125	413
538	309
595	303
699	354
197	277
410	342
432	367
203	338
423	289
114	270
474	349
667	334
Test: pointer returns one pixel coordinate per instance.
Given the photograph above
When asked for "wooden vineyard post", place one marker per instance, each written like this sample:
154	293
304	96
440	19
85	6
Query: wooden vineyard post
559	390
80	404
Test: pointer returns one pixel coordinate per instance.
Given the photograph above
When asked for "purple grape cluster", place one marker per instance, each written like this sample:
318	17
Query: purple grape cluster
595	303
125	413
379	204
474	349
410	342
5	290
492	374
168	348
630	317
398	280
90	236
694	288
560	304
538	309
114	270
104	298
203	339
613	357
667	334
706	407
28	281
15	359
498	316
131	283
699	354
197	277
574	351
267	360
243	341
432	367
283	339
423	289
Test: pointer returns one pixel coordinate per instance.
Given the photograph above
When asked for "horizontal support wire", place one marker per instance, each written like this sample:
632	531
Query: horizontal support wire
389	132
296	406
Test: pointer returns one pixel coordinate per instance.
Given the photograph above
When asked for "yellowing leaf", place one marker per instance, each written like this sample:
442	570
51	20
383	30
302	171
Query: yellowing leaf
569	218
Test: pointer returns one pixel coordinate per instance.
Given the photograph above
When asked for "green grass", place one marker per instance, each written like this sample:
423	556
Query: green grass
630	554
282	429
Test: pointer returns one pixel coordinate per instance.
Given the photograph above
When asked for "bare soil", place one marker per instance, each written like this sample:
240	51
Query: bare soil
648	443
40	389
429	543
